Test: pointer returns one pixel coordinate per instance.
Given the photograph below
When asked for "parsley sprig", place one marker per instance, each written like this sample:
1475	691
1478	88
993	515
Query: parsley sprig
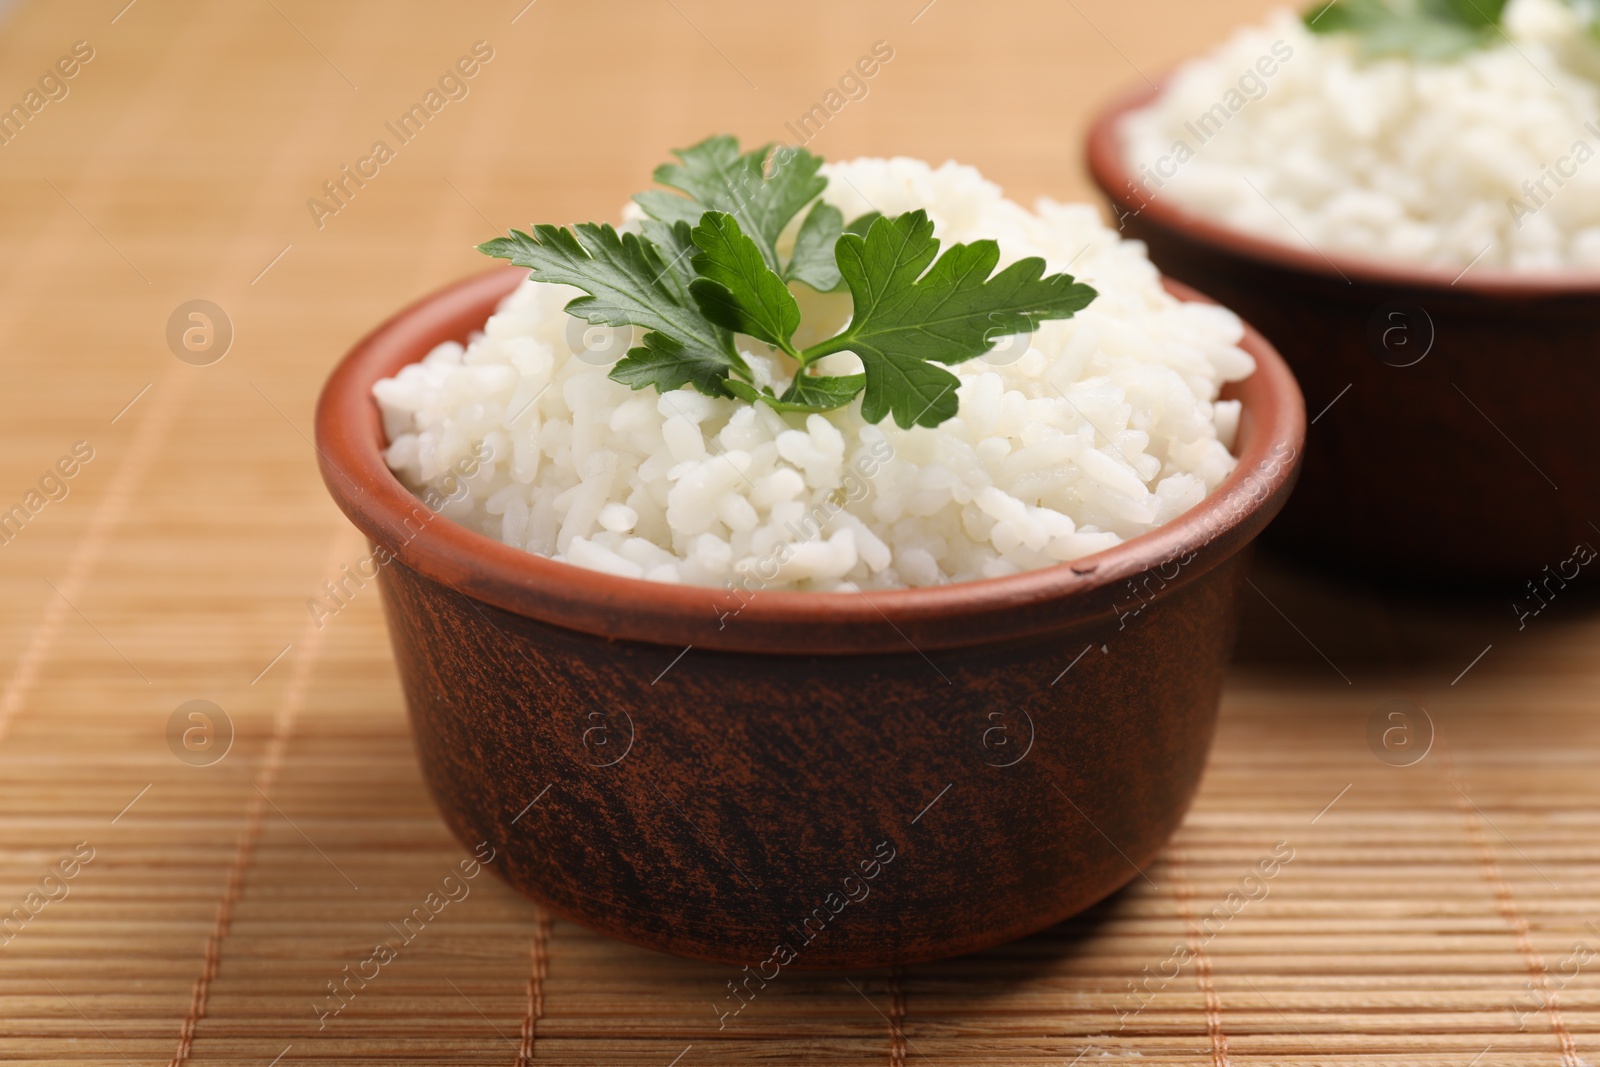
1429	30
705	268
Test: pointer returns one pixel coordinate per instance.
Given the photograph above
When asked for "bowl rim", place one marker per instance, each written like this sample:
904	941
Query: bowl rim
1115	180
350	444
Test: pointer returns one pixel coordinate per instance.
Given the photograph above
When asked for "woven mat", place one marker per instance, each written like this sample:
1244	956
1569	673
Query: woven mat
1432	914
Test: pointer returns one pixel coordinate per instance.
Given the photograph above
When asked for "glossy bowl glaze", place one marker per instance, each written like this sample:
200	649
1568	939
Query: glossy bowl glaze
805	779
1447	407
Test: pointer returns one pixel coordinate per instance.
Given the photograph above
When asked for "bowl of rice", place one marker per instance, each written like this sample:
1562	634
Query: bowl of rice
1415	224
799	690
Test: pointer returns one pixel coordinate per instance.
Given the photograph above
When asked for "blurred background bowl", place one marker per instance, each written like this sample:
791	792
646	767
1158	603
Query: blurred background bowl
1449	408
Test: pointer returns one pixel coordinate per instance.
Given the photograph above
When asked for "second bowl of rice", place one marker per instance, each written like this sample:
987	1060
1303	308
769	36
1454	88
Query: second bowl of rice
1421	240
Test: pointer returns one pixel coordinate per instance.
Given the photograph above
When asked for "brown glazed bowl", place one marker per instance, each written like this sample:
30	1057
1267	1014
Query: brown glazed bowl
804	779
1447	440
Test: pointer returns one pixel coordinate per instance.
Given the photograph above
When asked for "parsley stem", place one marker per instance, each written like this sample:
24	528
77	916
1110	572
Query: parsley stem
837	343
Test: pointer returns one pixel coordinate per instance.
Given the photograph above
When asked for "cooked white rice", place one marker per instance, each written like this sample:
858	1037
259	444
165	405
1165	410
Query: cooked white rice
1102	428
1493	159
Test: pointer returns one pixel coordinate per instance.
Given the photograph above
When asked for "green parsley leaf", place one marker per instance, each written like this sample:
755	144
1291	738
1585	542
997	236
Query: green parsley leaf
862	223
623	275
716	177
812	262
807	393
1427	30
1467	12
675	243
822	392
736	289
664	363
627	283
670	208
912	310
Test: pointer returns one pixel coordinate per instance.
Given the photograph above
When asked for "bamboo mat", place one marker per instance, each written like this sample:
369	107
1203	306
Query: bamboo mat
1426	914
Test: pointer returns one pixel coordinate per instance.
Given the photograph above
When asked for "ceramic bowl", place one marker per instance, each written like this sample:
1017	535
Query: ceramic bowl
1447	407
805	780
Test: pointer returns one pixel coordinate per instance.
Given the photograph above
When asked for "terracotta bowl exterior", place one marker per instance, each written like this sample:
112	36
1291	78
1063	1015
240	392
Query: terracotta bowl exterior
805	779
1458	399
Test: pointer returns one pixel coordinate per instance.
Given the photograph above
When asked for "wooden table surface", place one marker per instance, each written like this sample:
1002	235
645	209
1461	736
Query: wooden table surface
1443	913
